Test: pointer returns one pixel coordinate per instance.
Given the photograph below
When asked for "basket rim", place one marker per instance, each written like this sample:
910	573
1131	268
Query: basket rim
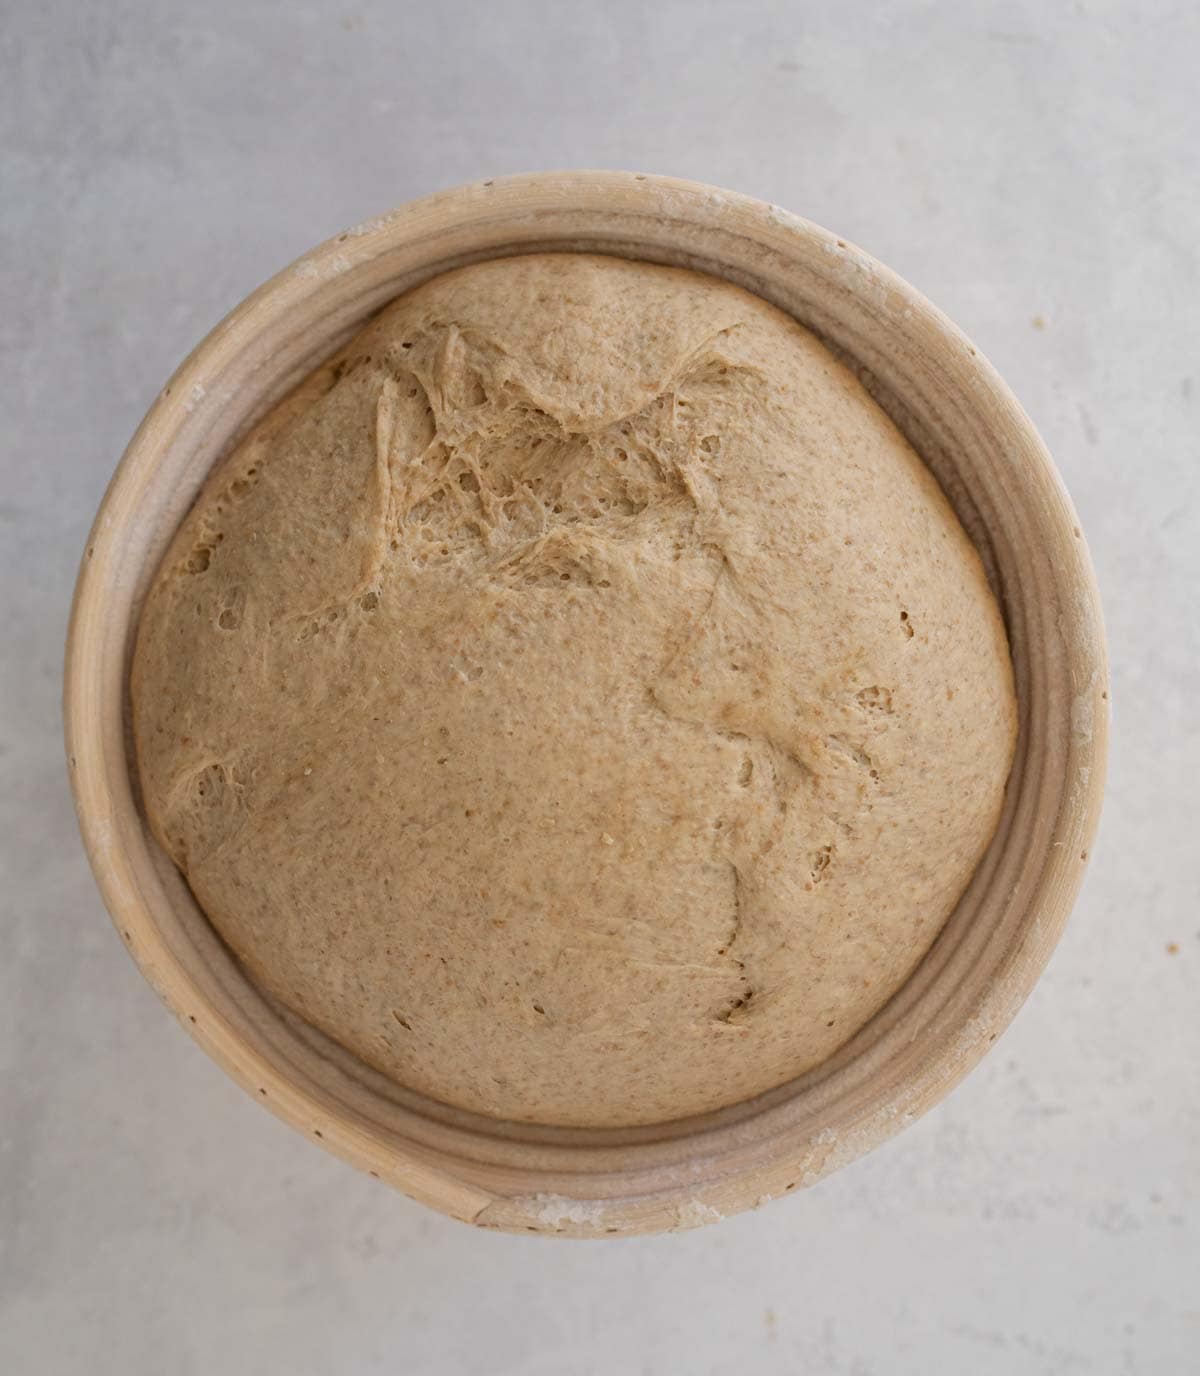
635	1185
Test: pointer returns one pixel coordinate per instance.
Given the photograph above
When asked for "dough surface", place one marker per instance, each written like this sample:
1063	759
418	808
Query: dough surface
577	699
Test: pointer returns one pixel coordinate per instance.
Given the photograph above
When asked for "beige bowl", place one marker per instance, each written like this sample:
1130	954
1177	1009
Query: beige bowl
970	430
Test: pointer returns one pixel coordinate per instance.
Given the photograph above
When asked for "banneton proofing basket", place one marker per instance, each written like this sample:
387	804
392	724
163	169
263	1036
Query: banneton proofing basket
966	424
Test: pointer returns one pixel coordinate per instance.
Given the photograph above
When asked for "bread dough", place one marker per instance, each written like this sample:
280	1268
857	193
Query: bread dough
577	698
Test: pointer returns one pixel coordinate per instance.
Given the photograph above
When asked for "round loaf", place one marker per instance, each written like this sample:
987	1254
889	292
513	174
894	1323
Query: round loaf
577	698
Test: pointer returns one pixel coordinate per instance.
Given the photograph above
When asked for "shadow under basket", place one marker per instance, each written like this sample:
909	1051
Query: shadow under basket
972	433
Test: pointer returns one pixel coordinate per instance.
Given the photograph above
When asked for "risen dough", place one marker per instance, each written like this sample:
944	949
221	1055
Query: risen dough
577	698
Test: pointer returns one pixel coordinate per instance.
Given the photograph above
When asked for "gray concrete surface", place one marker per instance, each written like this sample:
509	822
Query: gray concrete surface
1035	169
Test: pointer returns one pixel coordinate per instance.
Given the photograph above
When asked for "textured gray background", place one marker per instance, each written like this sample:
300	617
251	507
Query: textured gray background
1034	169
